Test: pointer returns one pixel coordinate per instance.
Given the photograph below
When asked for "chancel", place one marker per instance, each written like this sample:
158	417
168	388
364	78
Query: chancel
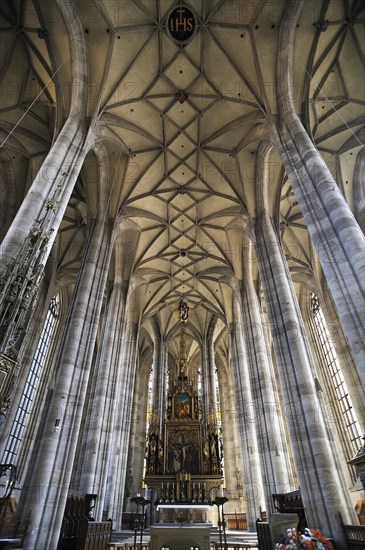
184	458
182	215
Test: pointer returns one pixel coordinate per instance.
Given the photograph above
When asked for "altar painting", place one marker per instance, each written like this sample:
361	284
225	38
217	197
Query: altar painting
183	405
183	450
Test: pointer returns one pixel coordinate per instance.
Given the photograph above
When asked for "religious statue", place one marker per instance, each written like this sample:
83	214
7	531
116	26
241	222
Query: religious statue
15	289
182	365
183	310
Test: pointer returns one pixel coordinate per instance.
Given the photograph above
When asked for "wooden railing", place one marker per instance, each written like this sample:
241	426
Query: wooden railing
355	536
236	521
98	535
15	530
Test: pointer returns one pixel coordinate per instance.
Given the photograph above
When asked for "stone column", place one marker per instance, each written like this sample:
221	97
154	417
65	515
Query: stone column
137	442
122	426
204	381
231	445
272	447
209	343
359	189
28	242
158	375
323	493
208	375
252	482
53	462
97	437
335	233
64	161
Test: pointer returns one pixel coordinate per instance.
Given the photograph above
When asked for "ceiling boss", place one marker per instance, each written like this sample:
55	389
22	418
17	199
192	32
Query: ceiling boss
181	24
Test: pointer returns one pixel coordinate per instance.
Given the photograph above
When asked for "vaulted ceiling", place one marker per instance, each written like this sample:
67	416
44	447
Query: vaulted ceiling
182	127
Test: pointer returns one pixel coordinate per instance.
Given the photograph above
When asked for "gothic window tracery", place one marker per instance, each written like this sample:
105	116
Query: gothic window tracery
32	383
335	373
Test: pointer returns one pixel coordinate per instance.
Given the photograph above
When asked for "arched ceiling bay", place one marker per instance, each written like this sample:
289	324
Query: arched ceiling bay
190	119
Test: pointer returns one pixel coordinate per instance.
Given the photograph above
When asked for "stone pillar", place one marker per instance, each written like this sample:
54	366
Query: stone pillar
158	375
122	425
137	442
64	161
323	493
204	381
272	447
103	399
50	475
252	482
231	445
335	233
28	242
359	189
208	375
209	343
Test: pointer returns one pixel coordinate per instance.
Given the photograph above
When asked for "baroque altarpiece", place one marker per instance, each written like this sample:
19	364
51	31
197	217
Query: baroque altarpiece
184	453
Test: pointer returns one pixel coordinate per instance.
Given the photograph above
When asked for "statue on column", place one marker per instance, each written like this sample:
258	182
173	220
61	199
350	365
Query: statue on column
183	310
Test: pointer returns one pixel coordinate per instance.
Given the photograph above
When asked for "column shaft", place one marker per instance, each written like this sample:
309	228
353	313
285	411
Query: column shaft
272	447
102	402
55	457
122	426
323	494
337	237
252	482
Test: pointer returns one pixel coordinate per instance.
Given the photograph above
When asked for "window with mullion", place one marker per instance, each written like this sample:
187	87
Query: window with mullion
335	373
31	385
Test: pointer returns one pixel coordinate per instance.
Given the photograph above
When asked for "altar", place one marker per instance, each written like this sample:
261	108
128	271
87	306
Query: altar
184	513
182	537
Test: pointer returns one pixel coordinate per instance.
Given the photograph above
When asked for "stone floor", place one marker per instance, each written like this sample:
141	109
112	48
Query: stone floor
233	537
